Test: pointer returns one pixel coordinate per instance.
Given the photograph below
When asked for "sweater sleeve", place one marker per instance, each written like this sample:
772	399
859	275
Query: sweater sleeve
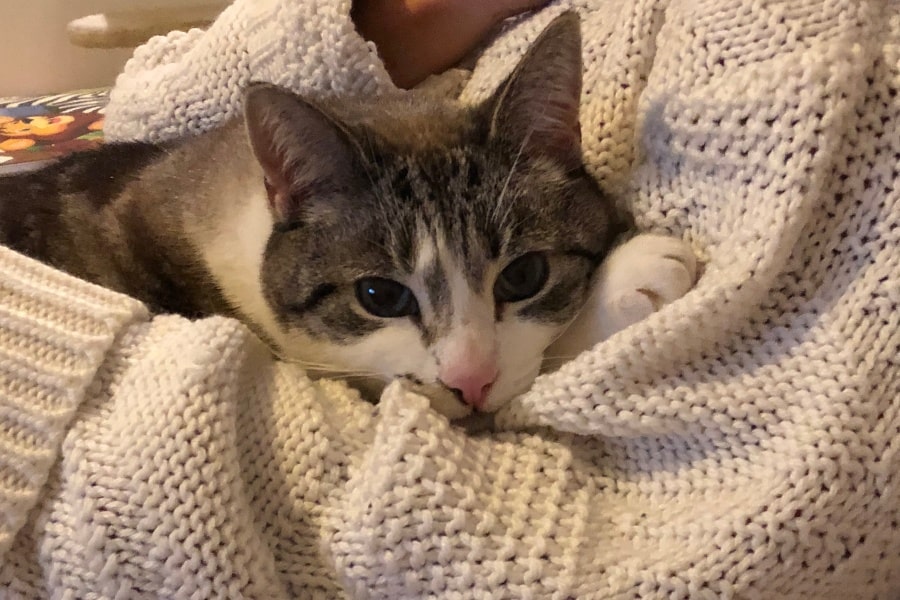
54	333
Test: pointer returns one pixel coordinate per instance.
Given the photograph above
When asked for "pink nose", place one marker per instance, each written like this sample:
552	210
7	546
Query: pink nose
473	383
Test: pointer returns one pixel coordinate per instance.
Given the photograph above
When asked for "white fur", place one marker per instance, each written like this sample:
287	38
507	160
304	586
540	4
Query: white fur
426	255
521	355
471	313
234	254
636	279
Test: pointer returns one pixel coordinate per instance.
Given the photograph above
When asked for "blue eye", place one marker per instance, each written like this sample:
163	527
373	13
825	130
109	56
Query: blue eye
522	278
386	298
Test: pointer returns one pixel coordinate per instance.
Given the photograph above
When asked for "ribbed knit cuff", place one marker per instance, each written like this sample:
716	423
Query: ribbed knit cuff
54	333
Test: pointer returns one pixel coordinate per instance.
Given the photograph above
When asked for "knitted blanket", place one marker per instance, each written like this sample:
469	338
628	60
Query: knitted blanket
743	442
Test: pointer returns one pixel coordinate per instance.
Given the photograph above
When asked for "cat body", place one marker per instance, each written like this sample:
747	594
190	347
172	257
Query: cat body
117	216
408	238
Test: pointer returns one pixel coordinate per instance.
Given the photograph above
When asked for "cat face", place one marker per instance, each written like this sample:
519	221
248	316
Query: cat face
448	246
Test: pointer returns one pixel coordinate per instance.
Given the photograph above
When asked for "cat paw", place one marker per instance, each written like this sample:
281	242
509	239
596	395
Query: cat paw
643	275
441	399
637	278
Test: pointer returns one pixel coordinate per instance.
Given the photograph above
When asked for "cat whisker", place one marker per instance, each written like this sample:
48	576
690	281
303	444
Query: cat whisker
334	371
563	331
512	170
330	370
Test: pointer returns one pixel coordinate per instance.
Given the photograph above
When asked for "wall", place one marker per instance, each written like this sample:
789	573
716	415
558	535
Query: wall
35	55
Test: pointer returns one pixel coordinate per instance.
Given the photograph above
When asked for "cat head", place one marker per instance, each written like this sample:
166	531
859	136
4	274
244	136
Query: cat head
419	239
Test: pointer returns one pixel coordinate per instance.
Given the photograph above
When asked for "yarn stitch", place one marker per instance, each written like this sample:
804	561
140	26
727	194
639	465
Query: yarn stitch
743	442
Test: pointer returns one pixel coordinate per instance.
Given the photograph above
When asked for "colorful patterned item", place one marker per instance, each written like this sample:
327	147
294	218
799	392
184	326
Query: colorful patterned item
43	128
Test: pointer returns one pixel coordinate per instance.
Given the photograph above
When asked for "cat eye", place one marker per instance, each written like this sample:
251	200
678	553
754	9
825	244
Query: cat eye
386	298
522	278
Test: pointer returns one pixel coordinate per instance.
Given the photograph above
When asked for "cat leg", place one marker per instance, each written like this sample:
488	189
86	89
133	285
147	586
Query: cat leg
638	278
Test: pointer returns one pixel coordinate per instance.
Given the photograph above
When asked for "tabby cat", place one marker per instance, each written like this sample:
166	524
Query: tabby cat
410	238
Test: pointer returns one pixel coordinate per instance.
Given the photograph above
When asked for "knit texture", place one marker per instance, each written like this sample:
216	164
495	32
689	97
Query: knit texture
743	442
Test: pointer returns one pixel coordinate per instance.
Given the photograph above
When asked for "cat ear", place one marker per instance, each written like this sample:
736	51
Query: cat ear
537	107
303	152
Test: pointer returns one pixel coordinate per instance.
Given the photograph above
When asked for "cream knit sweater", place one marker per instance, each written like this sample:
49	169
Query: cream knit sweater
744	442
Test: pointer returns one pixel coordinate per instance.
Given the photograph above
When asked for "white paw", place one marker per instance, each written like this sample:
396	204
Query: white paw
643	275
441	399
637	278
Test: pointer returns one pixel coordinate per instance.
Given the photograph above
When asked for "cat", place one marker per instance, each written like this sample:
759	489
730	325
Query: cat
409	238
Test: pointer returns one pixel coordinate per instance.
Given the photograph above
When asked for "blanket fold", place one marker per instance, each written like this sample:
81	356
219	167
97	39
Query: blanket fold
740	443
54	334
188	82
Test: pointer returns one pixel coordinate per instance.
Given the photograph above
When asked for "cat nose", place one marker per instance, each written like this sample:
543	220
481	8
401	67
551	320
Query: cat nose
472	384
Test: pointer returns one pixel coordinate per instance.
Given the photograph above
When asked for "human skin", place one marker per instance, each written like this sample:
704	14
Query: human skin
416	38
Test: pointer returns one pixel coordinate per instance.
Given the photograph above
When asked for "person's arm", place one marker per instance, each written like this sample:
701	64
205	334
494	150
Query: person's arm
417	38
